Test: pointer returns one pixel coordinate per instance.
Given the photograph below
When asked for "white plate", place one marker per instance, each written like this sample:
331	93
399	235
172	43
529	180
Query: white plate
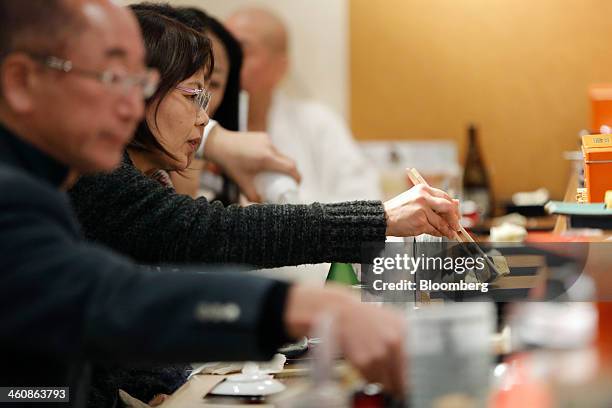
248	385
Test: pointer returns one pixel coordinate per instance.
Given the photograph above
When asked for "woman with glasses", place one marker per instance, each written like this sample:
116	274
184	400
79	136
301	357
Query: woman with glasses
175	115
136	211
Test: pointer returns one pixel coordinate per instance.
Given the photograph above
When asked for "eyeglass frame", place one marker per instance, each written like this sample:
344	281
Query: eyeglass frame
148	82
202	99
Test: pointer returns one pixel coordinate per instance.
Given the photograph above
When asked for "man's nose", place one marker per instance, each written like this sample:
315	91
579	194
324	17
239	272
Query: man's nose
131	106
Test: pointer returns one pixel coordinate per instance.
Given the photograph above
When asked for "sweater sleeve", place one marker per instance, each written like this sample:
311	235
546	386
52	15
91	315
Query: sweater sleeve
153	224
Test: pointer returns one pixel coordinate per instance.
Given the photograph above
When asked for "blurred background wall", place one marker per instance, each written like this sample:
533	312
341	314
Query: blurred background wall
519	69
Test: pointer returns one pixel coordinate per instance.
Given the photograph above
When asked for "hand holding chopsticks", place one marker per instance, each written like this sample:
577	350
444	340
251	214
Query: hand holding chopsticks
422	210
416	178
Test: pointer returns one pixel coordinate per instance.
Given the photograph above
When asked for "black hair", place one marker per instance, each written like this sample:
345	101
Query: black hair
198	20
177	52
227	112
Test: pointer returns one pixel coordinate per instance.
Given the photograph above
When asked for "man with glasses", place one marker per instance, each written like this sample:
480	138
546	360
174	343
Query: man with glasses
123	83
72	83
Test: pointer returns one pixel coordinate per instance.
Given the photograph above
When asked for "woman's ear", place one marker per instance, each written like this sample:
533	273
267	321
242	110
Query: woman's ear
151	109
19	78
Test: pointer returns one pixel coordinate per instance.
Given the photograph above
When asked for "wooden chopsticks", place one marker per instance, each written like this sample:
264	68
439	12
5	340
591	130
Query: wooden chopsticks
416	178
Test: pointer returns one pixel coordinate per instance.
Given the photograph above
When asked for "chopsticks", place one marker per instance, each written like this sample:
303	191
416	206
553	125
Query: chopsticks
416	178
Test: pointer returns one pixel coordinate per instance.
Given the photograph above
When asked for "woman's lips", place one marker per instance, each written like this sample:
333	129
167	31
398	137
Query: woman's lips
194	143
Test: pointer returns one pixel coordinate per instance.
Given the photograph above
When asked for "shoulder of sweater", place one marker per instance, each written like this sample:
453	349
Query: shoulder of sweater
125	175
127	169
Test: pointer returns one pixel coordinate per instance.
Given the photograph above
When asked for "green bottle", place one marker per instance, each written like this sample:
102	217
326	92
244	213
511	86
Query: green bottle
342	273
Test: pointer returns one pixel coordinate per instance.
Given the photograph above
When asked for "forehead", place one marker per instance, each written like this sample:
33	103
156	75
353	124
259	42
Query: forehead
245	29
109	32
259	33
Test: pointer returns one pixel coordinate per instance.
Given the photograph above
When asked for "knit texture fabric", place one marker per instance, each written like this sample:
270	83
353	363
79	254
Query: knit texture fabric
137	216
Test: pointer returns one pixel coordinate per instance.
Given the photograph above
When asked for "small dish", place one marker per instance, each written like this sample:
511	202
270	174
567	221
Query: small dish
257	384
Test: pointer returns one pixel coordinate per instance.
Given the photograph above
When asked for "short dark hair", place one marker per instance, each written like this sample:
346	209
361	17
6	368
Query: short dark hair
38	26
177	52
227	112
197	19
165	9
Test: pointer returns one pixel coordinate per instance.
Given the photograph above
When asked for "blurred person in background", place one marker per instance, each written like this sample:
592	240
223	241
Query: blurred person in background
224	85
72	83
206	177
225	78
331	164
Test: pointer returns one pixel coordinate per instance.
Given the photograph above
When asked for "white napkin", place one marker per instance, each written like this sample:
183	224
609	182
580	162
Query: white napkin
273	366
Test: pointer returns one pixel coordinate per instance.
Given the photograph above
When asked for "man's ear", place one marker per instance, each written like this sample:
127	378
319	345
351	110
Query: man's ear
19	76
282	66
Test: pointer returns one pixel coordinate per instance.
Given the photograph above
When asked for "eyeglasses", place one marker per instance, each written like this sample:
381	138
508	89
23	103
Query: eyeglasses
201	96
146	81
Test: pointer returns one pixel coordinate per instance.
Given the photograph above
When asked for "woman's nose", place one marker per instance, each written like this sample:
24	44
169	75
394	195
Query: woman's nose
202	118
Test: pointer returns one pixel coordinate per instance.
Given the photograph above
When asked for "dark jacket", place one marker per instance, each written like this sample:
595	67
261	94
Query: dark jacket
65	303
137	216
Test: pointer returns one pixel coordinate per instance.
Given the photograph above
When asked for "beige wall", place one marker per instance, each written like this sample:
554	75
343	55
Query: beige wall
423	69
319	48
518	68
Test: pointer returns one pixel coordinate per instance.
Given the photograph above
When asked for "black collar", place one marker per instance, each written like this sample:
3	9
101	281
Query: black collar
18	153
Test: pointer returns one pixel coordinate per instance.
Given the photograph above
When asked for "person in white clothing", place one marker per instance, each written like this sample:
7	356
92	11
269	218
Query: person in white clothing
331	164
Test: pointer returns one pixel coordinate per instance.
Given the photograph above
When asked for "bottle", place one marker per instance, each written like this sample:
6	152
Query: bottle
476	183
277	188
342	273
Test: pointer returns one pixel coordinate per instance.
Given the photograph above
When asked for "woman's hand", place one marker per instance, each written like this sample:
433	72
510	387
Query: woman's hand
422	210
158	400
242	155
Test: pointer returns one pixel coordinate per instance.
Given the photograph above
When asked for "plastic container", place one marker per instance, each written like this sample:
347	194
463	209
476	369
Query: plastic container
450	353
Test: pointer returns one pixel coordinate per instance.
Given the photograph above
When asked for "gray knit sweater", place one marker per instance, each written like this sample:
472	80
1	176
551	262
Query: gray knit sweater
138	217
